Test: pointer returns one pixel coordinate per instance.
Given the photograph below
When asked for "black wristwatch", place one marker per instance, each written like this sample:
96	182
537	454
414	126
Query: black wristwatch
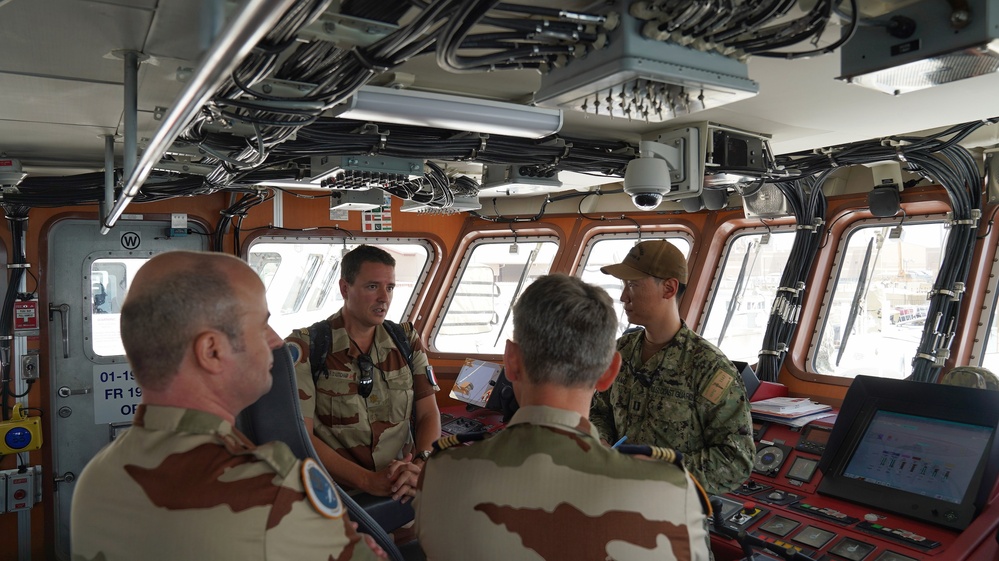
423	455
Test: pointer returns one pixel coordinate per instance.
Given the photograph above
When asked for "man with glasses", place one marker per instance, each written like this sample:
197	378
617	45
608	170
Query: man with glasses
545	487
359	408
675	389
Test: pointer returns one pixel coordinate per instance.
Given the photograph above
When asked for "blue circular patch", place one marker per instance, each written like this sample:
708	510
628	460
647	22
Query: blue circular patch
320	490
296	352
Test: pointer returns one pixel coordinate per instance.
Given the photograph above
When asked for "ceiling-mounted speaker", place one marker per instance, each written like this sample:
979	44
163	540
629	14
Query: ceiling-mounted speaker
714	199
692	204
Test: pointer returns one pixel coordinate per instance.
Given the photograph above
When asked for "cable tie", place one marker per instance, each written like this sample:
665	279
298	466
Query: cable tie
950	293
6	338
925	356
832	159
19	266
768	352
901	154
805	227
369	63
789	290
17	218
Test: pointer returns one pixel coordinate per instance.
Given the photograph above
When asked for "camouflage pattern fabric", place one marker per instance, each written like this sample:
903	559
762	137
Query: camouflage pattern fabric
184	484
696	404
971	377
369	432
546	488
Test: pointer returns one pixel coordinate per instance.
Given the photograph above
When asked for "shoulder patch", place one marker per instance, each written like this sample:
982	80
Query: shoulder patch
716	388
320	490
296	352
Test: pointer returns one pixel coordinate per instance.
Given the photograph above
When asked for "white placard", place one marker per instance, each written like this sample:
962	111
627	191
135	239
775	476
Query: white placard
116	394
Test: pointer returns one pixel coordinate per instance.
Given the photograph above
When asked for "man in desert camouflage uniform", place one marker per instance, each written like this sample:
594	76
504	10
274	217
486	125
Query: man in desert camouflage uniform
546	487
182	483
676	389
365	441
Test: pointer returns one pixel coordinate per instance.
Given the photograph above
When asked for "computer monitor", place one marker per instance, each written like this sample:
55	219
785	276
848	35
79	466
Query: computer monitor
748	377
922	450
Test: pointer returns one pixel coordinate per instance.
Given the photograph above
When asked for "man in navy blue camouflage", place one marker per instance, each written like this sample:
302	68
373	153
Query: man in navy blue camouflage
675	389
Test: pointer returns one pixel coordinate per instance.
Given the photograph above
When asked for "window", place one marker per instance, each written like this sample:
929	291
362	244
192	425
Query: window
986	351
609	249
302	284
739	307
109	281
304	277
873	317
477	317
266	265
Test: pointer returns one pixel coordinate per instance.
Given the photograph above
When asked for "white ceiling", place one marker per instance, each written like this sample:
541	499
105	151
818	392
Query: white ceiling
61	87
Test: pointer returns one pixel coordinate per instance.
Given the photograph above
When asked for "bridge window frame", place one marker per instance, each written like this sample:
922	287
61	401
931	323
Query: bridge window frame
707	322
320	297
472	346
830	305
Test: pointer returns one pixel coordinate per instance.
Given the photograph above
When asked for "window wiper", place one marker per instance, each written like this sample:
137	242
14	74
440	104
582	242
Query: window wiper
740	288
520	286
863	281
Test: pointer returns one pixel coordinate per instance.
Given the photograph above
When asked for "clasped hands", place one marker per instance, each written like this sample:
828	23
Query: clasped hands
397	479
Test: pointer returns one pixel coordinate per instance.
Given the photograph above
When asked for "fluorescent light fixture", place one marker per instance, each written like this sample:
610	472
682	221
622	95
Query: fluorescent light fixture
926	73
407	107
942	43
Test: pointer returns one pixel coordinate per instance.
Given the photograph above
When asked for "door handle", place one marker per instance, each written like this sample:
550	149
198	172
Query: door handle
63	311
64	391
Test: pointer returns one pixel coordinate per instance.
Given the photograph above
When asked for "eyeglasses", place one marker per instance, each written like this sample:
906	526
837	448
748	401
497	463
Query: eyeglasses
365	384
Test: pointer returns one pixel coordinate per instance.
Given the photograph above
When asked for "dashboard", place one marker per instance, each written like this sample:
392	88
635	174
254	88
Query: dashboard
780	505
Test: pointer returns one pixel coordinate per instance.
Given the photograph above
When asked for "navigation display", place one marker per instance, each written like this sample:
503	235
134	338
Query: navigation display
926	451
930	457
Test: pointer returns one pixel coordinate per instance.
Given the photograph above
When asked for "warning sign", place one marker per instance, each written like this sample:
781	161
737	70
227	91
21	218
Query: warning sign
26	317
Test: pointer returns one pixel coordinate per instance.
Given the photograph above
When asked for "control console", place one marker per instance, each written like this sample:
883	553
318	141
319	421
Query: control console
779	511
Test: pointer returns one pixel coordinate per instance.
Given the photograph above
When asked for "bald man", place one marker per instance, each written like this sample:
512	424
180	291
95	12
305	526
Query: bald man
183	483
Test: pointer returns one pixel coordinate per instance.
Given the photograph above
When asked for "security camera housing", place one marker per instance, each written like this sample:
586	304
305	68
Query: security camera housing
646	181
667	169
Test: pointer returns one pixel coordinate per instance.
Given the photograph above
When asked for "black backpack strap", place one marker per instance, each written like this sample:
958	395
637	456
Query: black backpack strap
320	341
401	341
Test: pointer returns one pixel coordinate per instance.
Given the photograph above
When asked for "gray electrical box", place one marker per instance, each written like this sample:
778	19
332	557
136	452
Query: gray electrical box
924	44
645	79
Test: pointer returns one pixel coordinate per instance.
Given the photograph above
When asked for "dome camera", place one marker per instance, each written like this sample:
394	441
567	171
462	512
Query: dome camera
646	180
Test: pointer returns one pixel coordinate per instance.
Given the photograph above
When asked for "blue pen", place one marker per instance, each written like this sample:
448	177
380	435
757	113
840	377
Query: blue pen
620	441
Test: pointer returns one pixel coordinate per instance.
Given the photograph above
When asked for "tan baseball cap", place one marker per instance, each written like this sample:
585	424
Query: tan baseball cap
653	258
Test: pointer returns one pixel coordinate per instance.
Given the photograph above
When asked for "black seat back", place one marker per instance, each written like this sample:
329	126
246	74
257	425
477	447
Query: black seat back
278	416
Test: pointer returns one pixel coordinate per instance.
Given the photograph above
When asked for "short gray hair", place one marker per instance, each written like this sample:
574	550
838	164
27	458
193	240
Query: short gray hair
566	330
161	318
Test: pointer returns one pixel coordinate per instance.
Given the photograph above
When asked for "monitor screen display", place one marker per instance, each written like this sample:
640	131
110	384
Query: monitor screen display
930	457
926	451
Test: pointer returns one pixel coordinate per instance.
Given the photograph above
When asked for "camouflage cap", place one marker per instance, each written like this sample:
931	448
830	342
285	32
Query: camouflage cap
652	258
971	377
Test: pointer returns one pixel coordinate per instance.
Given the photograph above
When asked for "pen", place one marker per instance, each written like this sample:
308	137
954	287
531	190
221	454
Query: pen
620	441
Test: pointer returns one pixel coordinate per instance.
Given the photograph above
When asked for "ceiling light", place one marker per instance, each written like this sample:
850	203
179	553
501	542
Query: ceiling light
407	107
943	44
